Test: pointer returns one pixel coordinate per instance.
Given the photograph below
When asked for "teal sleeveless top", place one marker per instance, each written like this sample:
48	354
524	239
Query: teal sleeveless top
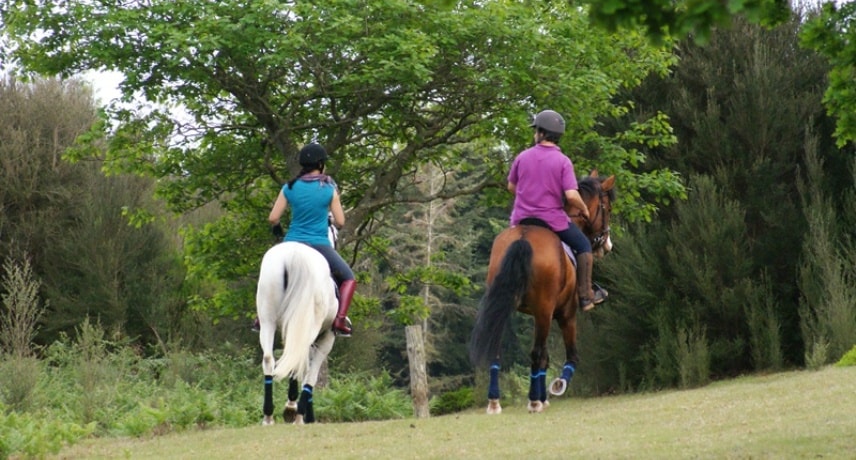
309	200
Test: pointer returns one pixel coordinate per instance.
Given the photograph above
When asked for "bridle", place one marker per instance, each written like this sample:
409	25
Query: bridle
599	239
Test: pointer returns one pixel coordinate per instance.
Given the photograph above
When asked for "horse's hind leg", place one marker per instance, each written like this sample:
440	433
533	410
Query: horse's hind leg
540	360
289	414
493	406
569	334
319	352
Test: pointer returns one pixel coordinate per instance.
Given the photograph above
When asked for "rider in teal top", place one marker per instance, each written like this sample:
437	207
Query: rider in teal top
314	197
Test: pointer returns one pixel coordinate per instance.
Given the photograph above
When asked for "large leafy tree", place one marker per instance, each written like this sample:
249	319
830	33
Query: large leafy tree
386	85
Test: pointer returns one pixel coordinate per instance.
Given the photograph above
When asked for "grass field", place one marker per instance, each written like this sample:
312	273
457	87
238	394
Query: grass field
788	415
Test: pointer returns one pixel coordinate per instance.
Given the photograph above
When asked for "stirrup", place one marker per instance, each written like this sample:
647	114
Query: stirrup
341	333
600	294
586	304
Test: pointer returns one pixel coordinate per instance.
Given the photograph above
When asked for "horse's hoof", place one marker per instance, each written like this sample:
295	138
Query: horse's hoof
290	412
558	387
298	419
267	420
493	407
535	407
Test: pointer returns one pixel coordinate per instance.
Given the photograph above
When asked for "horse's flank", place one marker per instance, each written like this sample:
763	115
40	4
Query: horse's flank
543	261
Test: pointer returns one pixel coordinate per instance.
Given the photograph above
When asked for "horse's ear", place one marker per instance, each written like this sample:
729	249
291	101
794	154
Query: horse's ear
608	183
593	173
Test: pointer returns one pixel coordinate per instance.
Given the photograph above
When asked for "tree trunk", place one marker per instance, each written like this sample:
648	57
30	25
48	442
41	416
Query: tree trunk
418	373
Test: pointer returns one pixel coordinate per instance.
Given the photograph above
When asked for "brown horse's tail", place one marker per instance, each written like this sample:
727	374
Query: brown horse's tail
503	296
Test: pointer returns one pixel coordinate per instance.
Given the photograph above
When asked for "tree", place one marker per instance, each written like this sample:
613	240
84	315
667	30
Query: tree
831	33
679	19
386	86
724	265
69	219
828	31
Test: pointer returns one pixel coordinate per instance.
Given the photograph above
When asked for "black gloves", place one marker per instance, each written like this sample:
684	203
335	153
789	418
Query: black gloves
277	231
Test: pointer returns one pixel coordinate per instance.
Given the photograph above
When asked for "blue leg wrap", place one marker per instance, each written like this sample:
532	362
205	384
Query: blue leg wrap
568	372
267	406
305	406
537	386
493	387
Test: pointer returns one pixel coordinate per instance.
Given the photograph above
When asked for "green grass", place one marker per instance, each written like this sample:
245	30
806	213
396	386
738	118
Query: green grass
798	414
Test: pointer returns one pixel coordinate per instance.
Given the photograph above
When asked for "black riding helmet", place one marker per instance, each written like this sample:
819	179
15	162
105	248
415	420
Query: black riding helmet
549	120
312	154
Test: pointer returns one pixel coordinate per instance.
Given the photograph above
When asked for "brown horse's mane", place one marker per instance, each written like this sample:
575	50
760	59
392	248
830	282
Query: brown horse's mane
590	186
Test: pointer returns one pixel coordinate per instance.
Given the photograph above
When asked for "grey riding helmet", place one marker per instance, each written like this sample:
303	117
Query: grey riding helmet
549	120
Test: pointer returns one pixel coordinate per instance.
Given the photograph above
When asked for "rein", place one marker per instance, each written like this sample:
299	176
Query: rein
598	240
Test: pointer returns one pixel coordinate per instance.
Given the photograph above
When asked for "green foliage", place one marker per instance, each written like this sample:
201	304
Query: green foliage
831	33
452	401
693	357
828	305
69	219
361	397
849	358
35	436
817	355
697	19
764	329
94	385
21	310
389	88
725	261
19	376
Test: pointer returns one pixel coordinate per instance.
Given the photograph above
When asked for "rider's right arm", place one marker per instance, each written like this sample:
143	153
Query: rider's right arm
576	201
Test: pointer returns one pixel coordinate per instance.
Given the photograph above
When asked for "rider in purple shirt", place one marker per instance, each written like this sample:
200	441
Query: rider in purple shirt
542	178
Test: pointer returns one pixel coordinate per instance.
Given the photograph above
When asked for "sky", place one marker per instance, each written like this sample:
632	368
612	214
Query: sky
104	84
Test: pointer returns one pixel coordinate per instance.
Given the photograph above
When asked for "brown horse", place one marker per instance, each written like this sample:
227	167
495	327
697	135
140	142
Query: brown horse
530	272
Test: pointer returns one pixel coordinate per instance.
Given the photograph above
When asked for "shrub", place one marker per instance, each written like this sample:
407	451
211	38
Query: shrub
360	397
849	358
34	436
20	310
453	401
19	376
817	355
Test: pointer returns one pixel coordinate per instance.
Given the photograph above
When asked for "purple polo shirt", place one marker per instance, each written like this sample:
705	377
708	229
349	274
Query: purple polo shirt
542	174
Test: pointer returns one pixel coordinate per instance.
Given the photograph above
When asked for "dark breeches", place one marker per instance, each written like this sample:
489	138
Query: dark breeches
338	267
576	239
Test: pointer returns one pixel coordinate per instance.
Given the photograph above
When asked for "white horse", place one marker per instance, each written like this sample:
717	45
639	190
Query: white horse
297	293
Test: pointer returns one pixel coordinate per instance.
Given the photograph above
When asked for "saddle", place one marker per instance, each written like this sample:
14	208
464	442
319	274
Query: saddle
533	221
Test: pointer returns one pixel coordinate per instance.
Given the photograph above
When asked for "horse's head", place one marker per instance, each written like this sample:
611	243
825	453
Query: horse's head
598	193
